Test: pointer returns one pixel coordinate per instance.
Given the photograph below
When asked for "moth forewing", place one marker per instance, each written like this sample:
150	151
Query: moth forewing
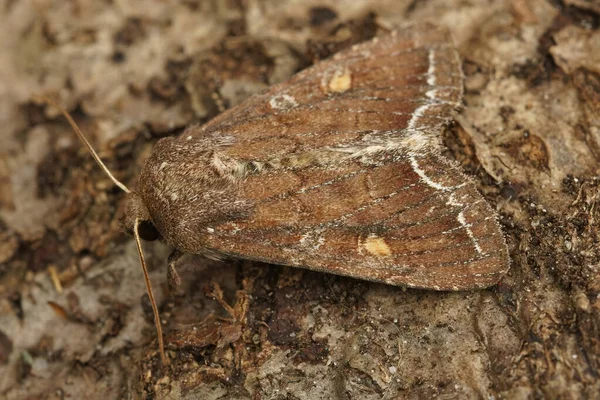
398	230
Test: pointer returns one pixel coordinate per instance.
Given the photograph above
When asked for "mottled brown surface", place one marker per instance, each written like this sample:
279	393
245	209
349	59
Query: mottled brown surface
130	73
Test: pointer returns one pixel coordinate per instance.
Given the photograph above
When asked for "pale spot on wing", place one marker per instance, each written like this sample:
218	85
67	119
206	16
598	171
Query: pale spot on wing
283	102
337	81
376	246
417	142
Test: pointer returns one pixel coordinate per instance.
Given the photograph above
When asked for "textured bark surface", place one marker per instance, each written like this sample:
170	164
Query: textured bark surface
73	312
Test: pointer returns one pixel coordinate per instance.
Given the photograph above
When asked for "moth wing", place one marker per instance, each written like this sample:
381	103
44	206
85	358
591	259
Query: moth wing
373	87
413	222
395	211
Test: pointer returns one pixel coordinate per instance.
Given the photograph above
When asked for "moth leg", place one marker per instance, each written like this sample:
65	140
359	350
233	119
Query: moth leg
215	292
173	278
241	308
238	313
242	298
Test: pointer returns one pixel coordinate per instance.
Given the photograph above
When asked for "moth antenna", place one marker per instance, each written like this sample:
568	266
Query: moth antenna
86	143
161	345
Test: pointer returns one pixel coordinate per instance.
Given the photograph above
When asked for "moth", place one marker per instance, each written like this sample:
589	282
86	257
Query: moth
337	170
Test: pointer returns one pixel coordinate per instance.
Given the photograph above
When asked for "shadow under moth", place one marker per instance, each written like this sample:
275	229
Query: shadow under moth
336	170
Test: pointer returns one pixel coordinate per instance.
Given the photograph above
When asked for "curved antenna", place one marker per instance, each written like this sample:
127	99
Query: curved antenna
136	234
161	345
86	143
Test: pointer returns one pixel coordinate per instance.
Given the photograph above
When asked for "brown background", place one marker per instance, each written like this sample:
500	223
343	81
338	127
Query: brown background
131	72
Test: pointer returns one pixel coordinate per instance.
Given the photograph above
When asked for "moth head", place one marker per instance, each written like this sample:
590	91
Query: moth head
135	209
136	220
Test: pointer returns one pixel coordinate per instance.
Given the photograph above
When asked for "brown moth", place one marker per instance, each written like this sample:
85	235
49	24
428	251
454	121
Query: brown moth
337	170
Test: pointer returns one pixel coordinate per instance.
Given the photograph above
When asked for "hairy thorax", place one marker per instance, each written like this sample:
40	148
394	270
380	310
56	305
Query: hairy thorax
187	186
